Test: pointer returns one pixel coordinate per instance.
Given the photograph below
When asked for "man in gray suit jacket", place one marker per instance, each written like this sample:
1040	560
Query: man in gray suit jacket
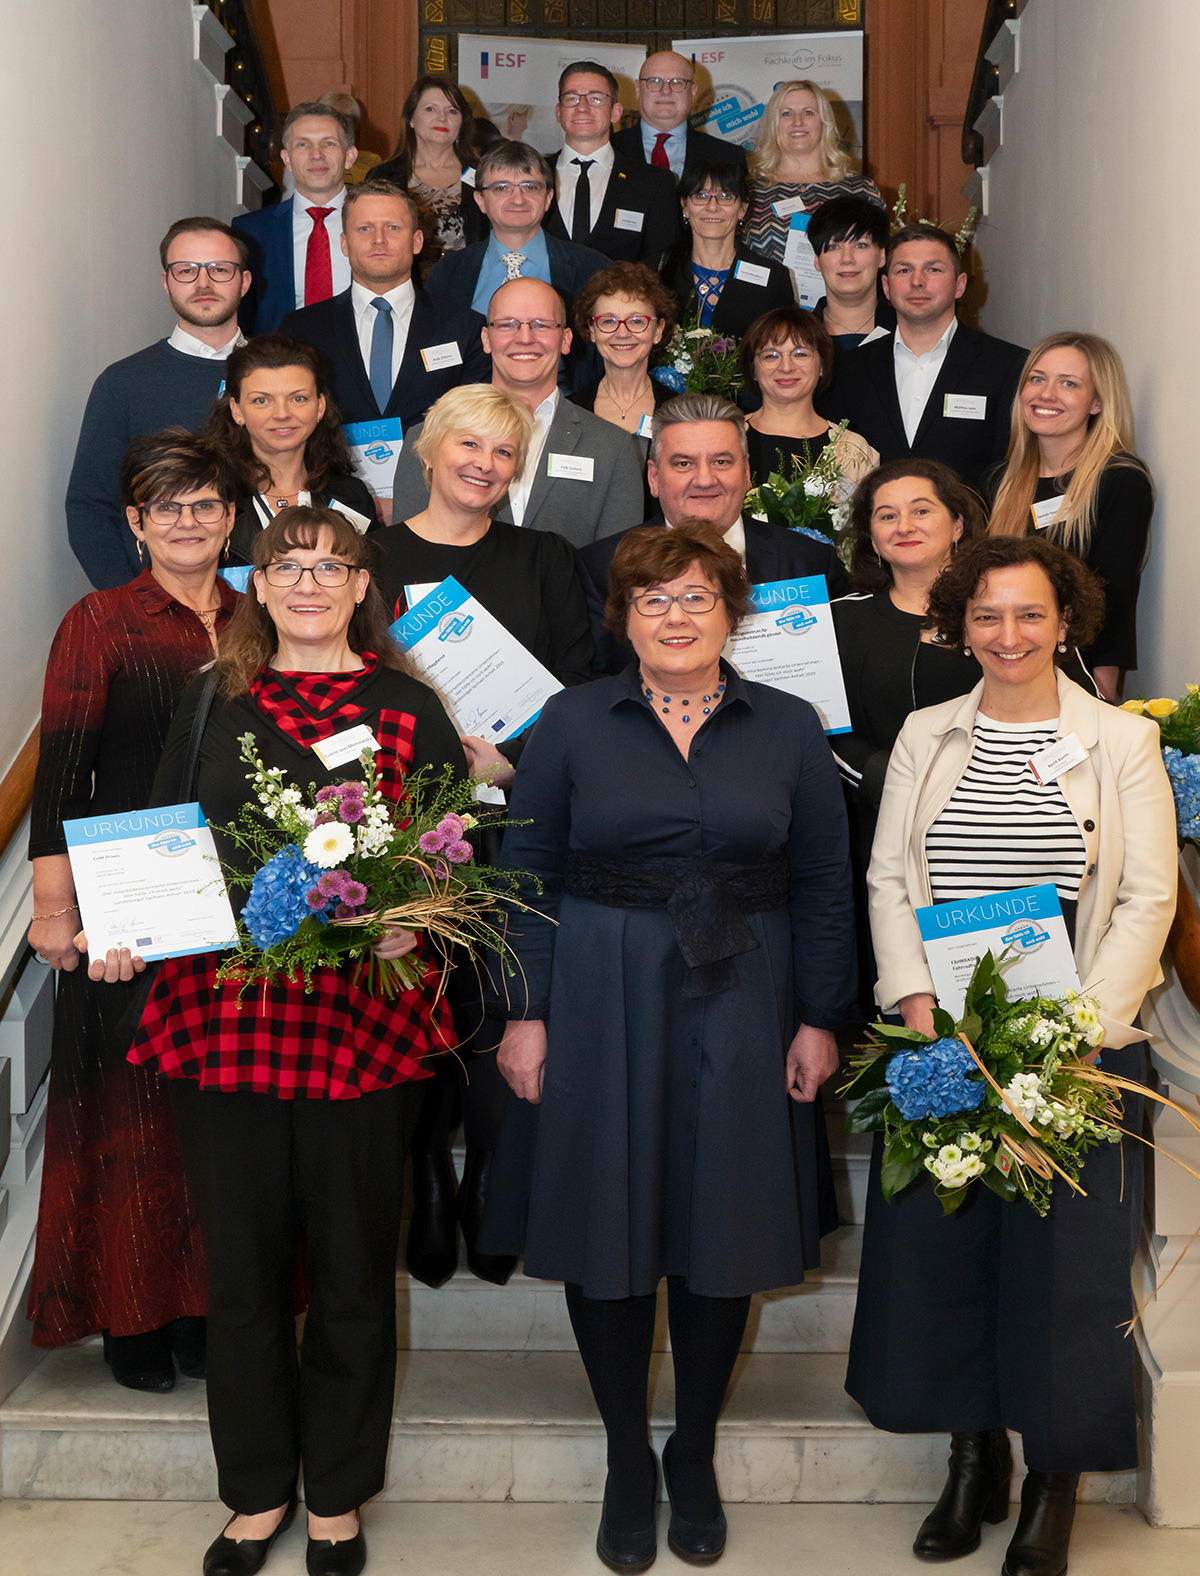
581	477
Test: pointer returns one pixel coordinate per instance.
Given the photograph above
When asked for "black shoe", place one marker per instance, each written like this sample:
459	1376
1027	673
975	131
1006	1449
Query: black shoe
493	1267
346	1557
976	1491
630	1552
431	1253
187	1340
698	1542
140	1362
227	1557
1039	1545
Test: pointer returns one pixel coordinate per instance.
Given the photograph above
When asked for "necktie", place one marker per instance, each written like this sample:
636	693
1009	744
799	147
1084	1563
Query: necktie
659	156
381	353
512	264
581	218
318	268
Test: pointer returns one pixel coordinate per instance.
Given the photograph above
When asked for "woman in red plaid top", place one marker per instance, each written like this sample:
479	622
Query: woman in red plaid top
288	1104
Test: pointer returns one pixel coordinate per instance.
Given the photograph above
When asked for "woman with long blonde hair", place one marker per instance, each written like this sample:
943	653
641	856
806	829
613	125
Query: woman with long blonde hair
1072	475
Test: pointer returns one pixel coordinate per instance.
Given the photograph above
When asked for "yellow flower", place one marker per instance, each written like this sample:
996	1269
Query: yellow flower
1135	706
1193	689
1163	707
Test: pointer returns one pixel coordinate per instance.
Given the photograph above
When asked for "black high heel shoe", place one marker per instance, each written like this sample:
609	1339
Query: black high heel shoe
1039	1545
141	1362
187	1341
697	1542
630	1552
228	1557
431	1251
976	1491
472	1191
346	1557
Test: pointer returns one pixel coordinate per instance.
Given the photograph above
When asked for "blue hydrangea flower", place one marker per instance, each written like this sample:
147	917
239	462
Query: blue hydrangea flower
673	379
807	530
1184	772
934	1081
278	898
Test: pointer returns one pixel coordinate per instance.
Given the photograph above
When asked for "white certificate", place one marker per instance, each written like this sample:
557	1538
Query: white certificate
789	643
489	684
799	256
149	880
1026	923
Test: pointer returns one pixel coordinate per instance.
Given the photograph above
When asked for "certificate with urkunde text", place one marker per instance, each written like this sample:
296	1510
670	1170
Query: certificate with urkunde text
149	880
789	643
1026	924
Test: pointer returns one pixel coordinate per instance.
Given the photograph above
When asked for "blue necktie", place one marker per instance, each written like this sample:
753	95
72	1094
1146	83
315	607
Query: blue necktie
381	353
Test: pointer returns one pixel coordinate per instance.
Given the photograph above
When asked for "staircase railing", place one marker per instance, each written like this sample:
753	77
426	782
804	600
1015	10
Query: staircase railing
246	74
985	80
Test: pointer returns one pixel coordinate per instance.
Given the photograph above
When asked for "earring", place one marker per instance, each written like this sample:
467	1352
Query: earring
966	651
879	560
1062	645
139	542
225	554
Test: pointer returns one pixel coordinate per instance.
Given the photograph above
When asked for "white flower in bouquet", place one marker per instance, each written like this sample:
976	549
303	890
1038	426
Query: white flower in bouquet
970	1141
1025	1093
816	486
328	845
952	1168
1085	1017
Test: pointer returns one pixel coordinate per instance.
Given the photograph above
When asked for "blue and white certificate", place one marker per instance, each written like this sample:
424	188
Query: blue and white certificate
789	643
1027	923
490	685
149	880
376	447
801	260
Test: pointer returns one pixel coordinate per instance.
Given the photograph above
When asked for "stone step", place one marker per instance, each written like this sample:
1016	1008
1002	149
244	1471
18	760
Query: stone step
484	1426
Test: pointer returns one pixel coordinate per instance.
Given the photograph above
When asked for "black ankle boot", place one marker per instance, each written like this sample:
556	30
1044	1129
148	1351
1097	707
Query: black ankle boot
1039	1545
431	1253
630	1552
976	1491
187	1340
140	1362
698	1529
472	1191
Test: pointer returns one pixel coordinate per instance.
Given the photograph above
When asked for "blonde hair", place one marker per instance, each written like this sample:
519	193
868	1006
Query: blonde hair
477	408
1109	441
765	159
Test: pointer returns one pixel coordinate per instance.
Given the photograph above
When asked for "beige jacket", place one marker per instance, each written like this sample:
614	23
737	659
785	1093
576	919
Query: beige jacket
1121	798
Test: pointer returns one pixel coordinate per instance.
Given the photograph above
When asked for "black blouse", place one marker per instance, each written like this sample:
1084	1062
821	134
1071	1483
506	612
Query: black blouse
775	452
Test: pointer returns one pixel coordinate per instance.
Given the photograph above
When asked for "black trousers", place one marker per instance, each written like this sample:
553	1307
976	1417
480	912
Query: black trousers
263	1171
997	1317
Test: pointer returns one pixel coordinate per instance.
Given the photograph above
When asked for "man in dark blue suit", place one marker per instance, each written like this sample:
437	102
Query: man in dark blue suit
666	90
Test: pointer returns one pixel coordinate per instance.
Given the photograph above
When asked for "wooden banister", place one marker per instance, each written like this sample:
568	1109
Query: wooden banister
16	791
983	82
1183	942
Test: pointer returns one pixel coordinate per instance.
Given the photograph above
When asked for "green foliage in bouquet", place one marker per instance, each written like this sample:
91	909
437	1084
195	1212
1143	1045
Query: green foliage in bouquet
699	361
812	500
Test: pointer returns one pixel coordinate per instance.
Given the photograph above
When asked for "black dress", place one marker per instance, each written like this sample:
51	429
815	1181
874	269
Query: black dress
248	520
665	1143
585	398
775	452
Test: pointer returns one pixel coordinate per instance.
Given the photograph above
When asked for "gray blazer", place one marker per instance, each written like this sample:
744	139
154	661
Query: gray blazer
578	510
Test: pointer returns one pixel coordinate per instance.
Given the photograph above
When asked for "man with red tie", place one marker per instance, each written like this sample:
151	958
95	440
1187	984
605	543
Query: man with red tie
295	245
666	90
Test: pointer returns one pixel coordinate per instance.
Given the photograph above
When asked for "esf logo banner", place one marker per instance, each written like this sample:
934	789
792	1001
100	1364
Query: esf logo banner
171	844
499	58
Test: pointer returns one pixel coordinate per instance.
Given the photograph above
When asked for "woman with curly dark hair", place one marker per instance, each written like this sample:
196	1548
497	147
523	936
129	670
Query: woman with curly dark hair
279	430
995	1318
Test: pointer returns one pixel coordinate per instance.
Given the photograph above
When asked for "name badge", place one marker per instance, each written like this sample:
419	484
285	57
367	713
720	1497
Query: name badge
752	273
1046	512
1057	758
967	407
345	746
646	427
628	219
785	210
467	177
571	467
436	357
359	521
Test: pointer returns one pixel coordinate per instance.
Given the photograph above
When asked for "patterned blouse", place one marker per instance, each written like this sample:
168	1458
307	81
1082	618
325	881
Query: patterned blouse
446	202
766	232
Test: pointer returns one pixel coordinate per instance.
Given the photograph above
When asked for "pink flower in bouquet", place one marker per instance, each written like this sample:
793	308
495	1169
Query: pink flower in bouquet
354	893
451	828
351	810
432	842
325	794
344	911
459	852
333	883
317	900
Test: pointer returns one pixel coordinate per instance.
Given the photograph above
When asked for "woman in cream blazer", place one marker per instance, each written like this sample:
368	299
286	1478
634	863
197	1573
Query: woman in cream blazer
995	1318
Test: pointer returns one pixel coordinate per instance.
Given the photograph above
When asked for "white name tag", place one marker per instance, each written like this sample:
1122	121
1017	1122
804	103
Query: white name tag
436	357
1046	512
1057	758
967	407
752	273
571	467
345	746
785	210
359	521
646	427
628	219
467	177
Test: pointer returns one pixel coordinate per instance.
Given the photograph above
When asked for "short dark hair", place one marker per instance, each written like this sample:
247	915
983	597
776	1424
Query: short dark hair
594	69
382	188
627	279
922	232
868	571
786	322
724	174
202	226
518	156
1076	589
847	219
650	555
159	464
326	111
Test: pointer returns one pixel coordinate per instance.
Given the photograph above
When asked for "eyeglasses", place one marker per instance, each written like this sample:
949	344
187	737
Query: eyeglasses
505	188
724	198
596	100
219	273
205	511
672	84
772	358
636	323
652	604
333	572
536	325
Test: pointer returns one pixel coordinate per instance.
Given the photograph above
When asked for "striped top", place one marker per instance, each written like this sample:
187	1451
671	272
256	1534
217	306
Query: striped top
1000	830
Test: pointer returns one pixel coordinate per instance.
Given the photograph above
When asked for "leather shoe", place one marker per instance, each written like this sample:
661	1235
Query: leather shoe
346	1557
227	1557
1039	1545
472	1191
630	1552
976	1491
698	1542
431	1252
187	1341
141	1362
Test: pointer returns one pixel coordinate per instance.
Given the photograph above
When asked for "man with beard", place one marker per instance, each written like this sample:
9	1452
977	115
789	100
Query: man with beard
171	383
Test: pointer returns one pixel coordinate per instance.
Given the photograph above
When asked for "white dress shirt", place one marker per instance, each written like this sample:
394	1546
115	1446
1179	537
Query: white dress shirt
734	537
302	227
567	177
191	346
915	377
365	318
519	488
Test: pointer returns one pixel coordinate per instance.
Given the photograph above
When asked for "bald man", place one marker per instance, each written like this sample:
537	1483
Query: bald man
666	90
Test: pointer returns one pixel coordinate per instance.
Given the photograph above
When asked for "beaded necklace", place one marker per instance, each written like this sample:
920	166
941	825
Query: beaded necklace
664	702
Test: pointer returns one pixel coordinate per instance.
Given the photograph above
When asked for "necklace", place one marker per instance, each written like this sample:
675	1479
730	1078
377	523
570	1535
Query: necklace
646	388
282	499
861	329
665	703
206	616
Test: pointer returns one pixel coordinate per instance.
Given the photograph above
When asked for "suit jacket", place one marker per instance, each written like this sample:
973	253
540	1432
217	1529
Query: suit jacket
864	389
771	554
272	293
740	301
635	187
1121	799
330	327
699	145
581	511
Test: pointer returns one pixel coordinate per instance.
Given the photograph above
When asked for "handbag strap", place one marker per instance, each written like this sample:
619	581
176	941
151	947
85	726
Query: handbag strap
191	767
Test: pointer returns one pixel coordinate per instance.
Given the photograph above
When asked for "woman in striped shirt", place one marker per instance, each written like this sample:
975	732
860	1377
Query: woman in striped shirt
994	1318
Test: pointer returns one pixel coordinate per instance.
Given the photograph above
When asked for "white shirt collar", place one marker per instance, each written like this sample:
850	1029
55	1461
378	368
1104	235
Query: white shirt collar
400	299
735	536
939	349
330	202
180	339
603	155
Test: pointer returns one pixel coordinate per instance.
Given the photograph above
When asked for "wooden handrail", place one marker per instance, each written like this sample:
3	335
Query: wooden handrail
16	791
1183	943
983	82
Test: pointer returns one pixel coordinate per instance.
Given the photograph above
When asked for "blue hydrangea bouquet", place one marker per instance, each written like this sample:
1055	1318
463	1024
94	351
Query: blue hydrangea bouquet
1179	728
1003	1097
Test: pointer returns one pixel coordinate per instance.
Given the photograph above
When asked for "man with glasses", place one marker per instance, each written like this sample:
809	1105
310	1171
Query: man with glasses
171	383
581	476
621	206
666	90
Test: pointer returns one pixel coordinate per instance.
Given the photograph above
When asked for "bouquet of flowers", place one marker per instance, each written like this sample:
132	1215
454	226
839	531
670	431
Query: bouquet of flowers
698	361
900	218
1179	729
812	500
335	874
1003	1097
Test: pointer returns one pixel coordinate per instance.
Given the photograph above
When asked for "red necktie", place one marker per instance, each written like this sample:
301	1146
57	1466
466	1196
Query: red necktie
318	266
659	156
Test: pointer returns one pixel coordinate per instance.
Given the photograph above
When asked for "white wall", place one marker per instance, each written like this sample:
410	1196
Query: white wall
1094	224
109	129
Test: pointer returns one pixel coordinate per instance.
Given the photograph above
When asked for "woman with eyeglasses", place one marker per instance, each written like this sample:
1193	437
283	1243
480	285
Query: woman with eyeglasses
435	160
719	281
118	1249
